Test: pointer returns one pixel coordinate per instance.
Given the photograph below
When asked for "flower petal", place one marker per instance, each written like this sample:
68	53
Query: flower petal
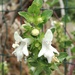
42	51
54	50
17	37
19	55
25	50
48	35
26	40
49	54
18	52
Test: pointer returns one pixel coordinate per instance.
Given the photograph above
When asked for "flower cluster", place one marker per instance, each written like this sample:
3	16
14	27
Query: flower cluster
21	46
36	46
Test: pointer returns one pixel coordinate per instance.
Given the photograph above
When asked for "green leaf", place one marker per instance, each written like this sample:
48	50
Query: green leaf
46	15
53	30
38	3
70	57
52	3
54	66
68	42
41	37
62	56
38	70
73	49
35	7
66	18
23	14
40	25
47	70
27	16
73	33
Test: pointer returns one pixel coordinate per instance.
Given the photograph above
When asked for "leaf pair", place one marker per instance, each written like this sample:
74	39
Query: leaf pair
34	16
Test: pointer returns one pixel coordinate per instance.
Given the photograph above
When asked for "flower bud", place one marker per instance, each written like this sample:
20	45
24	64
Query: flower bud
45	0
39	19
37	44
55	59
31	19
15	45
61	23
54	22
22	27
35	32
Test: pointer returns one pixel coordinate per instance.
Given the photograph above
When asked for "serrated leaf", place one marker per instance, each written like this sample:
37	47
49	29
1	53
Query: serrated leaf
70	57
27	16
73	33
38	70
41	37
23	14
38	3
35	7
54	66
66	18
62	56
46	15
68	42
52	3
53	30
47	70
73	49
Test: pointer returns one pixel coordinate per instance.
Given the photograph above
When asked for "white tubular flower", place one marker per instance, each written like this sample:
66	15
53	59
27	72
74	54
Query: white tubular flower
21	49
47	50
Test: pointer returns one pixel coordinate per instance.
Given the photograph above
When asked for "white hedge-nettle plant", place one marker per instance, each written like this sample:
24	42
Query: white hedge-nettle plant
35	45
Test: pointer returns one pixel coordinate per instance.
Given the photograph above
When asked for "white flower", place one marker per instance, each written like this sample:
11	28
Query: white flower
47	50
45	0
21	49
32	68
